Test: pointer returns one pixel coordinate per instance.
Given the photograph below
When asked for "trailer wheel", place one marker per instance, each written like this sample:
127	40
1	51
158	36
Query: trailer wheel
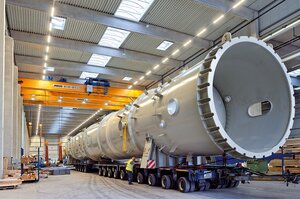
109	173
192	188
100	172
104	172
222	184
166	182
204	186
152	181
116	174
123	175
184	184
140	178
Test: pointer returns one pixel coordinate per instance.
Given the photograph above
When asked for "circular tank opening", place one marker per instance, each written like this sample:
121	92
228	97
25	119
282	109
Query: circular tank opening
256	97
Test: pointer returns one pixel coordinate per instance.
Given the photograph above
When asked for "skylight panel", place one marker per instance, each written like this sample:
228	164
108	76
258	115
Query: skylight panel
99	60
127	78
133	9
85	75
164	45
58	23
113	37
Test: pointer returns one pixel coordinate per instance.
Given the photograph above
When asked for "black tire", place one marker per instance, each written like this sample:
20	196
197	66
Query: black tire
100	172
104	172
140	178
166	182
230	184
222	184
205	186
116	174
184	184
152	181
236	184
193	186
123	175
110	173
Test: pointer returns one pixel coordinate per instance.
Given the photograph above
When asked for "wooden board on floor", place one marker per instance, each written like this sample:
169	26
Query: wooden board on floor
9	183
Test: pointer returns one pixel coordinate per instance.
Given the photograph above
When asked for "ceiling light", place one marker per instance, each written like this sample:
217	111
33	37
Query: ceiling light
44	71
58	23
47	49
141	78
85	75
201	32
129	87
60	100
106	104
149	72
218	19
113	37
50	26
48	38
155	67
283	29
127	78
99	60
135	83
165	60
187	43
45	65
51	69
133	9
32	98
164	45
175	52
290	56
43	77
237	4
83	102
46	57
60	97
52	11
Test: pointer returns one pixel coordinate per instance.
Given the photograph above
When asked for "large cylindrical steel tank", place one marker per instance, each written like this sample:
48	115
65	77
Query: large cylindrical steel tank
238	101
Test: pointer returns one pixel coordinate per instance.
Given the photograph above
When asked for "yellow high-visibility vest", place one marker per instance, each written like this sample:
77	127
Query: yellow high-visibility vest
129	166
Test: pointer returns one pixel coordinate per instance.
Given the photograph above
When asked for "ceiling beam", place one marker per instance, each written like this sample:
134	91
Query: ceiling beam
92	48
110	20
76	66
225	5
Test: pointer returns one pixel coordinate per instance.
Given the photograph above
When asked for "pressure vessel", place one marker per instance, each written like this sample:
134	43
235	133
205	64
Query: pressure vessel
238	101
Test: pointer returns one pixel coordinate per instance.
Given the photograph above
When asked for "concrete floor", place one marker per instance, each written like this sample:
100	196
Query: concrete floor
90	186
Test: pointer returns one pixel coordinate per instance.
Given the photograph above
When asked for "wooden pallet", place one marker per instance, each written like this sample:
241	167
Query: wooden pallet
10	183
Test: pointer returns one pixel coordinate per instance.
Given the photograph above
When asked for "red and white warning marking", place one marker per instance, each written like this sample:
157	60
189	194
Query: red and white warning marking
151	164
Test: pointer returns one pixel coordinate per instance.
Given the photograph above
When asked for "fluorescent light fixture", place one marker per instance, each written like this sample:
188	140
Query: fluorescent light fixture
165	60
127	78
48	38
46	57
45	64
187	43
99	60
237	4
141	78
129	87
283	29
135	83
47	49
51	69
156	67
85	75
83	102
44	71
296	89
32	98
218	19
291	56
58	23
43	77
60	100
106	104
52	11
164	45
294	73
201	32
113	37
175	52
149	72
133	9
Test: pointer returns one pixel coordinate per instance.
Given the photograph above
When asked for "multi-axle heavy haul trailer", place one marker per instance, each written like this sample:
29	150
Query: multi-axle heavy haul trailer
238	101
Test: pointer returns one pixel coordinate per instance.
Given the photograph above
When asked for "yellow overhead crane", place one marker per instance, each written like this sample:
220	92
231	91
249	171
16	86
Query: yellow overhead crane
63	94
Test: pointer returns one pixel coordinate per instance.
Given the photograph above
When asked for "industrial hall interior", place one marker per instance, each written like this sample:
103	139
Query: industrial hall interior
150	99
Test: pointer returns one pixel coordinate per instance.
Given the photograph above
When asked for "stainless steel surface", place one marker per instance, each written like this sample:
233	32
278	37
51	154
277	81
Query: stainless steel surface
204	111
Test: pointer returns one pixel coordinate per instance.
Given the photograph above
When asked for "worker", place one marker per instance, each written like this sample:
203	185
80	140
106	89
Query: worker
129	169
